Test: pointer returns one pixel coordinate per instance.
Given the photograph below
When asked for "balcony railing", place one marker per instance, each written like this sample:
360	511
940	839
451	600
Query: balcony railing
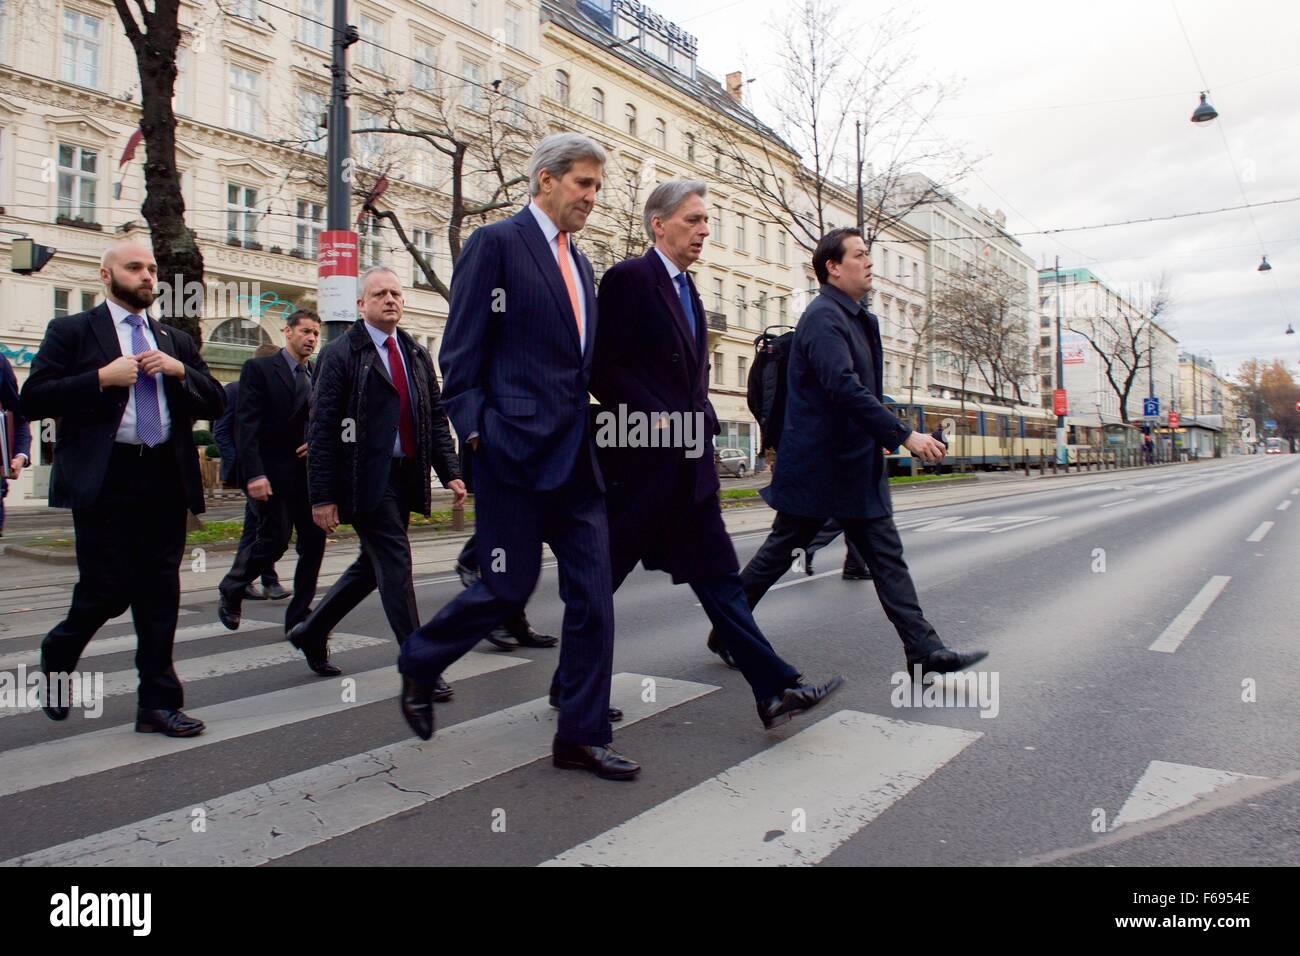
717	321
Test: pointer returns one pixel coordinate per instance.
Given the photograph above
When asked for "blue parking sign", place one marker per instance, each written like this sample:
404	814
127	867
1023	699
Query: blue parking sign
1151	408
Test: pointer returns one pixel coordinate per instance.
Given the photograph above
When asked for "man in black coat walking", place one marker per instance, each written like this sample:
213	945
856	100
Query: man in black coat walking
377	428
831	462
274	405
126	392
655	436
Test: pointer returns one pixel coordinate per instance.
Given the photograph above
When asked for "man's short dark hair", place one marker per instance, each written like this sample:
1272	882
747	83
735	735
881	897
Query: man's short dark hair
830	248
301	315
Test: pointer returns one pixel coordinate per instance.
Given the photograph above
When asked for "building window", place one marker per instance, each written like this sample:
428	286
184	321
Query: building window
424	167
661	133
423	70
512	93
78	182
629	113
781	314
598	104
244	9
689	139
1045	322
474	13
740	232
245	332
311	115
742	307
369	148
311	23
471	74
369	53
718	370
715	224
1045	341
425	241
242	215
717	162
370	242
61	297
762	309
780	246
311	220
717	295
742	370
562	87
245	99
762	240
512	24
81	43
88	300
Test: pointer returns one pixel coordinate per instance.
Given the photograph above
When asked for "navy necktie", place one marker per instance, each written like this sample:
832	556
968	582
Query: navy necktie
148	413
684	293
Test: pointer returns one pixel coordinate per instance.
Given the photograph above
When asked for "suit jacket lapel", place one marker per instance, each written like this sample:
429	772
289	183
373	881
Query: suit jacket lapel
668	292
535	241
588	279
101	322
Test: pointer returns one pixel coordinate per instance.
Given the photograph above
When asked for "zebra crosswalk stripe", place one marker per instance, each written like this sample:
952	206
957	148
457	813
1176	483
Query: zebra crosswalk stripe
101	646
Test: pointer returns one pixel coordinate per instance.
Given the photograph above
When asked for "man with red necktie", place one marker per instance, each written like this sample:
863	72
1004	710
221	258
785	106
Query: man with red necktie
377	427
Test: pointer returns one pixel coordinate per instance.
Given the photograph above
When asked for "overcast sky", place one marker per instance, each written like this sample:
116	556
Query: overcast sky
1082	113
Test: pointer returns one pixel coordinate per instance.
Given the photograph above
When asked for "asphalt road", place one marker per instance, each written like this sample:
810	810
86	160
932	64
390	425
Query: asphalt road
1096	748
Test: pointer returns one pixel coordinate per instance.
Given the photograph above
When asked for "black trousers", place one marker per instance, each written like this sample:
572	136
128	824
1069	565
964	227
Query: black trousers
512	524
246	538
853	563
877	540
129	548
286	511
384	563
468	557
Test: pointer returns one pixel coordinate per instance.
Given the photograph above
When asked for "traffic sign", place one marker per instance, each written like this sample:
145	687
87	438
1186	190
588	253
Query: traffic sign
1173	419
1269	423
1151	408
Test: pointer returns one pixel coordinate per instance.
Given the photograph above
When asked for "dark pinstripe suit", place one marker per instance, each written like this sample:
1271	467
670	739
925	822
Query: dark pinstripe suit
515	373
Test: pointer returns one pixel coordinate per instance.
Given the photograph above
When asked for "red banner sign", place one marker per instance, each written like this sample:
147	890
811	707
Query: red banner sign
1060	406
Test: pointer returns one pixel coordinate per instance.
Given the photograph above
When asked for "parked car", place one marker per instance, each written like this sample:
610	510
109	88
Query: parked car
732	461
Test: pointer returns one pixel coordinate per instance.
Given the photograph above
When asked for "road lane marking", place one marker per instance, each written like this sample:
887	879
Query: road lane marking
1164	787
117	683
100	646
1258	533
1284	505
272	820
804	580
1122	501
69	758
1188	618
792	804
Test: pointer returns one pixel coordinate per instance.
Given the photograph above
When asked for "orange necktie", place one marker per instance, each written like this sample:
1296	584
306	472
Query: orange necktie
566	270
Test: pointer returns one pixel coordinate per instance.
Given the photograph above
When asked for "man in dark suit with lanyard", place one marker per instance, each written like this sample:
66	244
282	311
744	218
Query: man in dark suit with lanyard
652	361
274	406
517	355
377	429
831	463
126	392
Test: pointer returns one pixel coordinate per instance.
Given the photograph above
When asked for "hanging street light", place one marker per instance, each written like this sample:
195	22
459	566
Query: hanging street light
1263	265
1205	112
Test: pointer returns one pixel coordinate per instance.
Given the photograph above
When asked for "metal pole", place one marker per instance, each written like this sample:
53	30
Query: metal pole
1061	451
338	158
857	140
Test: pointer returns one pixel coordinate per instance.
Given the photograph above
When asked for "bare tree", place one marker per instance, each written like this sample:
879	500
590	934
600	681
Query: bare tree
616	230
155	37
831	75
983	313
1122	340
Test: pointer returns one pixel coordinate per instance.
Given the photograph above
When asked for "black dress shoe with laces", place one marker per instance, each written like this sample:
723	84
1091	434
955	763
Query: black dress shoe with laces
946	661
254	593
417	706
315	650
173	723
54	694
714	644
442	690
276	593
500	638
795	700
228	610
615	715
855	575
523	632
604	762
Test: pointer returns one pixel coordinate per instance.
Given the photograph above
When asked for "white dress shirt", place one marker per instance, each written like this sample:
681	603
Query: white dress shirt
380	337
550	230
126	432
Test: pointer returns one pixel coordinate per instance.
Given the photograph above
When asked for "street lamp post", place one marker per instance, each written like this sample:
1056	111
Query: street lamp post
1062	452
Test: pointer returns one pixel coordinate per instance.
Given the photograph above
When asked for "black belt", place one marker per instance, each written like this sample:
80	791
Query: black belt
130	450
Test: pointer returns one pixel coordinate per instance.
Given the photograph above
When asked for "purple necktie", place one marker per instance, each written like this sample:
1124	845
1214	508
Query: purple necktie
148	415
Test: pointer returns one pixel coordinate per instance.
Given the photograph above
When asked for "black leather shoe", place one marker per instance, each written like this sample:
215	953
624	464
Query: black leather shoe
848	575
315	650
277	593
615	715
946	661
467	575
173	723
523	632
417	706
714	644
602	761
795	700
442	690
228	610
807	565
55	704
254	593
500	638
